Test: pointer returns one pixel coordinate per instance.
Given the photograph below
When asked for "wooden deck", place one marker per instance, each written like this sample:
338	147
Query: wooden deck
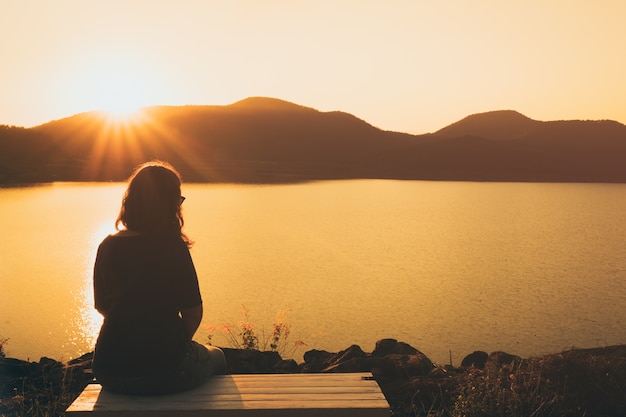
262	395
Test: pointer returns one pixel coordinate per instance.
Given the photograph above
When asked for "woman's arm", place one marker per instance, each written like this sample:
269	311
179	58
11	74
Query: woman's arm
191	319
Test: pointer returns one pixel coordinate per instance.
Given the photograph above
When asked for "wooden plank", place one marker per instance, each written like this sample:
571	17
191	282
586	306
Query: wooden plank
257	412
248	395
271	382
221	402
314	395
267	384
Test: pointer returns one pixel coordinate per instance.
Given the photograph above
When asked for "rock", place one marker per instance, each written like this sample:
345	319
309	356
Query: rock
322	361
50	371
286	366
412	365
403	359
383	368
11	372
316	360
349	366
250	361
476	359
500	359
390	359
388	346
350	354
82	360
438	372
14	368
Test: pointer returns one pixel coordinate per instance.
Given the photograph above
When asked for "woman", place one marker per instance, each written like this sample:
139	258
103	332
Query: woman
146	287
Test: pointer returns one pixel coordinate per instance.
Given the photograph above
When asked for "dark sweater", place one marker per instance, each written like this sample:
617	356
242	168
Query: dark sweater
141	283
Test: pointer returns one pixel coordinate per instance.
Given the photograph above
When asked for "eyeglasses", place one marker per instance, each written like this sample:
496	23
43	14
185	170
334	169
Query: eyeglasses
182	199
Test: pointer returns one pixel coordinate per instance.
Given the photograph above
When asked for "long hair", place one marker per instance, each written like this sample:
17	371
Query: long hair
151	204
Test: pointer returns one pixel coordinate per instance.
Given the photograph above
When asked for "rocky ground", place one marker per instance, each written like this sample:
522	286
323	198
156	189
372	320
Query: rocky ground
578	382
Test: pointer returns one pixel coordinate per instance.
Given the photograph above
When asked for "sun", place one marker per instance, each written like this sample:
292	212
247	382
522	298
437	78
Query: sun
122	111
123	114
116	84
119	96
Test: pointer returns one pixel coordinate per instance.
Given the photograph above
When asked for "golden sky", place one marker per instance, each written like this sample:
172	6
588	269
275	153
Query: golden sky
412	66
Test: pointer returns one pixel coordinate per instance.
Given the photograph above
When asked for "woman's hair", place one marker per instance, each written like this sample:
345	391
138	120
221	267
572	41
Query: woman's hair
151	204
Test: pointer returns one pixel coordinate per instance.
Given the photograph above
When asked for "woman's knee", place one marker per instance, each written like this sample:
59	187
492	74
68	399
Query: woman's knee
206	360
217	360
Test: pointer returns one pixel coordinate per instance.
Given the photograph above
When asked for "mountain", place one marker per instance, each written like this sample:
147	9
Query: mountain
502	124
265	140
511	125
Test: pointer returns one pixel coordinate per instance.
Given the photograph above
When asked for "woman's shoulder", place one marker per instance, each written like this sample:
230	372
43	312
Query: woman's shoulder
132	237
118	237
124	233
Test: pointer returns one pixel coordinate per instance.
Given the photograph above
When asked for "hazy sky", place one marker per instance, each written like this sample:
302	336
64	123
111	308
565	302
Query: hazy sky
412	66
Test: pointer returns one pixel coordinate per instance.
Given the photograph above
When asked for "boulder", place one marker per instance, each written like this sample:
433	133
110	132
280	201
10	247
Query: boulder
323	361
408	366
352	354
390	358
476	359
386	347
250	361
315	360
500	359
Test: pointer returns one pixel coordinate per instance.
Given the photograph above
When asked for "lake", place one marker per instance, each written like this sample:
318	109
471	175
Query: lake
448	267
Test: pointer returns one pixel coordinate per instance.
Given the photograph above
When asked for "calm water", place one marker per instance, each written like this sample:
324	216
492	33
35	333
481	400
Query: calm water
444	266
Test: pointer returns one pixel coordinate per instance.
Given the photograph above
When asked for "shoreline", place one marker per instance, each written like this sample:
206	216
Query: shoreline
587	381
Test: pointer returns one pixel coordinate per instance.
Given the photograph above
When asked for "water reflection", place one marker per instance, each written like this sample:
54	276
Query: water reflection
88	322
91	320
528	268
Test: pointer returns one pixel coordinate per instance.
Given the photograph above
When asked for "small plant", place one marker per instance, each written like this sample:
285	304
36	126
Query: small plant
249	339
244	335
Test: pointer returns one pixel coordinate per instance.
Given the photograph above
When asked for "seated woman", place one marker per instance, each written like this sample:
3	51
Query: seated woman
146	287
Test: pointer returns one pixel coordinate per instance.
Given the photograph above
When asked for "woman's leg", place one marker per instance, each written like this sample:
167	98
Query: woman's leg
199	364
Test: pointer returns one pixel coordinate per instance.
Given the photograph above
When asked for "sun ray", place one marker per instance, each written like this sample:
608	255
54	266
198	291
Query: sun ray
116	145
113	146
188	157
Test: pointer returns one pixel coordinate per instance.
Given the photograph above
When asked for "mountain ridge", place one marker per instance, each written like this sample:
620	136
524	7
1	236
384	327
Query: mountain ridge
510	124
497	124
269	140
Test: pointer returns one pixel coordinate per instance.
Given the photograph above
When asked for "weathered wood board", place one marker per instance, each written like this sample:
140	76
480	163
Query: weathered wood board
259	395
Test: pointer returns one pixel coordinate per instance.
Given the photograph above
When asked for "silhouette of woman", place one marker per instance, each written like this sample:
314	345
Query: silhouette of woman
146	287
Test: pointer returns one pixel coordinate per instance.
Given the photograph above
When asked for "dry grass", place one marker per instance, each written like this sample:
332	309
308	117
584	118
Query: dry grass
579	382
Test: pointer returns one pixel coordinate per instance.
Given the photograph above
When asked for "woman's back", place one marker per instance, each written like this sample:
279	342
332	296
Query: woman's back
141	283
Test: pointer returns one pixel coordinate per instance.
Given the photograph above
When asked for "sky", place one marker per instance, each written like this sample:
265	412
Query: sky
411	66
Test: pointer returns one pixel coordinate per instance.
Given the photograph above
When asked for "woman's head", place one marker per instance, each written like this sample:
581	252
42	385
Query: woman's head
151	204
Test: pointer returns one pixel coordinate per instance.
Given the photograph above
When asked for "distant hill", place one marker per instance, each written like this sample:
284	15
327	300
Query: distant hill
511	125
502	124
266	140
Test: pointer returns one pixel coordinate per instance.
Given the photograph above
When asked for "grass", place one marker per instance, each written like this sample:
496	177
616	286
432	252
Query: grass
579	382
502	392
44	394
246	335
43	389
